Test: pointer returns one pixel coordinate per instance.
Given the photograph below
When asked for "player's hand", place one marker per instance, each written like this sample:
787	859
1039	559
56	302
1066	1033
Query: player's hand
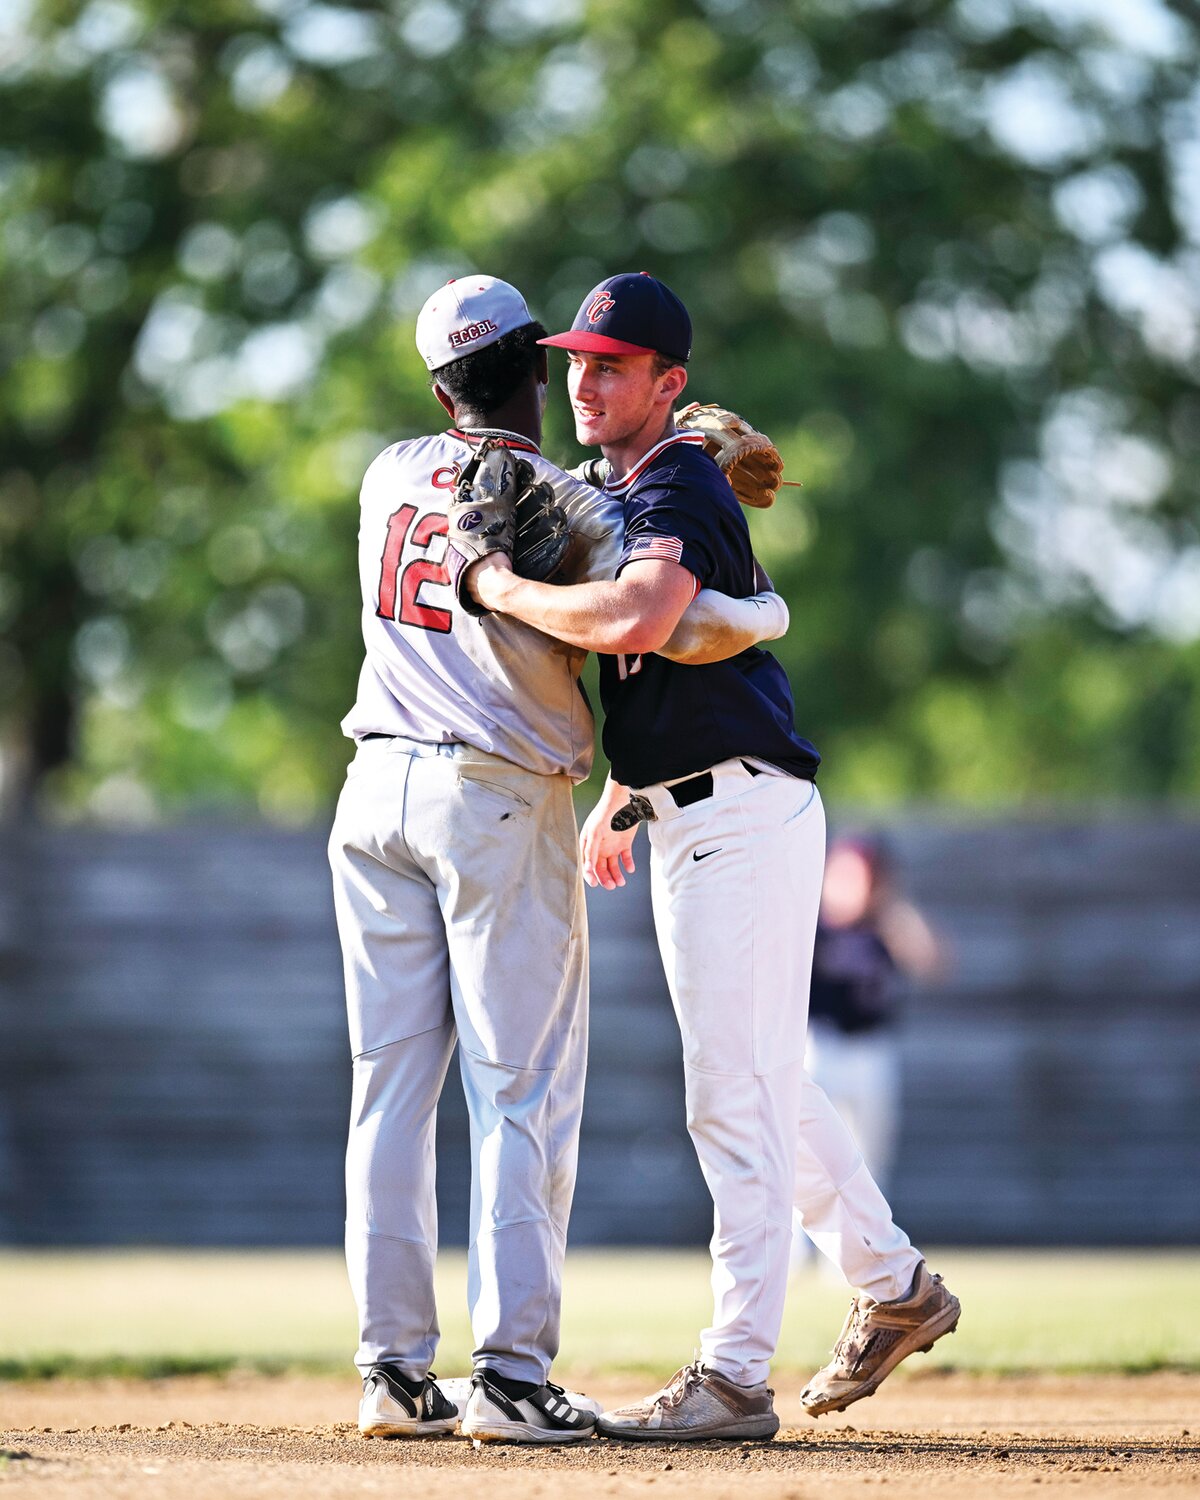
607	855
488	579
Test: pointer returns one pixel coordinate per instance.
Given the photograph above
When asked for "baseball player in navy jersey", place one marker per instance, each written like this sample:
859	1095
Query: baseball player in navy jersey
710	758
459	902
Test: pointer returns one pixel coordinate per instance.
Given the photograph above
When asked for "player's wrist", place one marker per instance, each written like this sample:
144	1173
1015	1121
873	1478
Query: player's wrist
489	580
613	796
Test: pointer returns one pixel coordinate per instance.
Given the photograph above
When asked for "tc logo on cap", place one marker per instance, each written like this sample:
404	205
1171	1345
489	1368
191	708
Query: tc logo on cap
602	304
632	313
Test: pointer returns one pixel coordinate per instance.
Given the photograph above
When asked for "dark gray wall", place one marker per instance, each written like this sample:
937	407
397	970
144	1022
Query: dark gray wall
173	1062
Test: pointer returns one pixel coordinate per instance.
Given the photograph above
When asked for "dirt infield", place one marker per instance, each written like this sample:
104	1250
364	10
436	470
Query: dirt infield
200	1439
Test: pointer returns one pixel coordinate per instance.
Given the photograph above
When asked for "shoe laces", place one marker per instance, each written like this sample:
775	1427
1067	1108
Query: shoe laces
852	1329
680	1384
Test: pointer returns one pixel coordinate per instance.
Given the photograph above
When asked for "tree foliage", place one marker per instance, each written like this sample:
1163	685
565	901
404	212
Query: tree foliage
948	254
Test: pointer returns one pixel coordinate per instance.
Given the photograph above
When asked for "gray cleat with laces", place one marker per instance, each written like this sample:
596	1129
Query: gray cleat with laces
876	1337
694	1404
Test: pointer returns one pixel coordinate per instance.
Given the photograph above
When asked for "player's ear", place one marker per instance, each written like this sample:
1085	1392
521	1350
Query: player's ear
543	366
446	400
671	385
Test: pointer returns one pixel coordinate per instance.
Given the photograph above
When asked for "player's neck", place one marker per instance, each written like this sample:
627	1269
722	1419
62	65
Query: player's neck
624	455
521	415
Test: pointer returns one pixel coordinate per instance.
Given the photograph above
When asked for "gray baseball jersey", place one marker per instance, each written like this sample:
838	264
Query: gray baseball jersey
436	675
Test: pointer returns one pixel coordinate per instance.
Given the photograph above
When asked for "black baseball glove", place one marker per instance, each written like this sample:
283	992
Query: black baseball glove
543	530
481	518
500	506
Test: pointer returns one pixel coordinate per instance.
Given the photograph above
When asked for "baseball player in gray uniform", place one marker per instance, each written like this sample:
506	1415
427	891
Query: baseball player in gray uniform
459	900
709	756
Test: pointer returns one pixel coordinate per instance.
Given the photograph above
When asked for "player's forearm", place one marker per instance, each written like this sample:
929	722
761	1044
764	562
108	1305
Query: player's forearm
715	627
605	616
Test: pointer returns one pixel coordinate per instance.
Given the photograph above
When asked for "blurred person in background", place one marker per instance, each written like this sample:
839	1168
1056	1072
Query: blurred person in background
870	942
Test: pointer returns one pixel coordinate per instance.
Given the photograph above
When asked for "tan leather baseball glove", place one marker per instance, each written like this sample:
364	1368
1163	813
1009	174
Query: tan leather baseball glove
748	458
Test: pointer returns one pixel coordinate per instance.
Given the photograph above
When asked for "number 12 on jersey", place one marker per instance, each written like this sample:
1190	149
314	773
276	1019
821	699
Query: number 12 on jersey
404	579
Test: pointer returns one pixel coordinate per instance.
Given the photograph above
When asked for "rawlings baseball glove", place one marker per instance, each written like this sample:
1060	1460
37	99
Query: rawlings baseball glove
499	507
748	459
481	518
543	531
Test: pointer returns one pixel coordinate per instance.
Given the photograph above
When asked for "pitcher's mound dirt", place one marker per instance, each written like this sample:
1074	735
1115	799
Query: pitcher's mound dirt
293	1438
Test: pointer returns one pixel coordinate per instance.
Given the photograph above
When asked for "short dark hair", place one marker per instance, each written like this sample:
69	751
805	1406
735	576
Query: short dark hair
663	363
485	379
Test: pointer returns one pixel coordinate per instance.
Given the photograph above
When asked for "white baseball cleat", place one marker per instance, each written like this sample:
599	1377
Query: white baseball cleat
388	1410
457	1388
546	1416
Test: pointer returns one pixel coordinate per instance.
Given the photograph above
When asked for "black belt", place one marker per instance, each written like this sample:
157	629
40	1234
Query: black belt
692	789
696	788
377	734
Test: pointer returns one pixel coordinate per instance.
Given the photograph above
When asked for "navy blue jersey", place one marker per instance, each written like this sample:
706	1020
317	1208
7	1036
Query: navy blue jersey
854	979
664	720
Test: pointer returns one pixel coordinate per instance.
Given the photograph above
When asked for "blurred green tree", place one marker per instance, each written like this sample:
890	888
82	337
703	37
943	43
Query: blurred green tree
947	253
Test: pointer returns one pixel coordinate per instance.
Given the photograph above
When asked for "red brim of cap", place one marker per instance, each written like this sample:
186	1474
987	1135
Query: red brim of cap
594	343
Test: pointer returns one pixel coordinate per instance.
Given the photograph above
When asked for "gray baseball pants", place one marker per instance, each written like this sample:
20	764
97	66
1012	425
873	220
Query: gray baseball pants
460	910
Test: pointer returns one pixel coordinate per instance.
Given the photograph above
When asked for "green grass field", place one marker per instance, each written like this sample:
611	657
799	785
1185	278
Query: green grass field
158	1312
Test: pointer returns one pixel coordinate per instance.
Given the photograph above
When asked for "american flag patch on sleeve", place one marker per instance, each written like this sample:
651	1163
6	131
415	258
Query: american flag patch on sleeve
655	549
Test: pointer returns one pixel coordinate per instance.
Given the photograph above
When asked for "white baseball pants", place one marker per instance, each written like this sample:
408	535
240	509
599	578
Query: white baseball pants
460	909
736	883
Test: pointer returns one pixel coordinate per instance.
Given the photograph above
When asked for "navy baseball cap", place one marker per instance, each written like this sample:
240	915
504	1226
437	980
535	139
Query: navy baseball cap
629	314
